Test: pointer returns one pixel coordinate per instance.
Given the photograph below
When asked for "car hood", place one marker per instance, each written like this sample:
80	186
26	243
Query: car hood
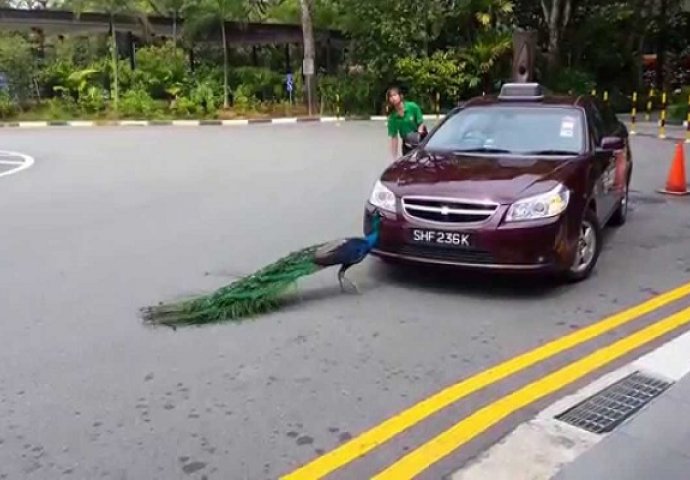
503	179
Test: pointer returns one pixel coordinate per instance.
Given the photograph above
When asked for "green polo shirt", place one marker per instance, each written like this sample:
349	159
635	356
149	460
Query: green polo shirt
410	121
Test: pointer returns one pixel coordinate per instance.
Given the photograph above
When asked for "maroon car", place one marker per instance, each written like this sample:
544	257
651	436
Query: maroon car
519	182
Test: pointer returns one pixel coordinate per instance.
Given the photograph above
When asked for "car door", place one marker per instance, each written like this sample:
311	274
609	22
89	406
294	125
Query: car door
605	165
615	128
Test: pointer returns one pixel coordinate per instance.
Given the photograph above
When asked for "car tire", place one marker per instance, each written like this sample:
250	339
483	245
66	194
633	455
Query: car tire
620	216
587	253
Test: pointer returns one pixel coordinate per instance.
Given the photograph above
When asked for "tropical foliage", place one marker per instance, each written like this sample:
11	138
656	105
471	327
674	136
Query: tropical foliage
439	51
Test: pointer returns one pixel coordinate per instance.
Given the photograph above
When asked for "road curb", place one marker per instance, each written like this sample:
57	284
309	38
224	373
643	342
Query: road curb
194	123
542	447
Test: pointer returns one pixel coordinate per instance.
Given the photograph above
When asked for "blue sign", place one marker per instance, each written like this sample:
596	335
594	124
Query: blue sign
289	82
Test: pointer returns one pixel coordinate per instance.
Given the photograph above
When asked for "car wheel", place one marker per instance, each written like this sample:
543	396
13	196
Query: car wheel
587	250
620	216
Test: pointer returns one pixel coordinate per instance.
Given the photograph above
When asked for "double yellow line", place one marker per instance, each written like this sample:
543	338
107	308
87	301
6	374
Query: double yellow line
447	442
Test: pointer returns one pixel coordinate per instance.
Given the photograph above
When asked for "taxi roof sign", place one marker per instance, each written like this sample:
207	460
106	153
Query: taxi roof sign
521	91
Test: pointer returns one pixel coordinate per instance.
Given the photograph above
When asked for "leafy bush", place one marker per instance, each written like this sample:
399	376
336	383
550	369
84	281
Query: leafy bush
186	107
200	98
138	103
62	107
55	74
207	95
87	86
92	100
159	68
8	108
356	93
441	73
572	80
678	112
260	83
17	62
680	96
243	100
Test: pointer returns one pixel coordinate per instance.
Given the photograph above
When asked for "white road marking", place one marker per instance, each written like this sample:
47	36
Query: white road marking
25	162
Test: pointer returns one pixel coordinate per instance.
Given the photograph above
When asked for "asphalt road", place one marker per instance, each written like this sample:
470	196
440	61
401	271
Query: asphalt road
109	220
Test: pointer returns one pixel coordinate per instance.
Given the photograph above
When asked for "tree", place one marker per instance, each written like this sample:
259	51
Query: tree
482	56
207	15
324	13
557	16
308	41
112	8
173	8
384	30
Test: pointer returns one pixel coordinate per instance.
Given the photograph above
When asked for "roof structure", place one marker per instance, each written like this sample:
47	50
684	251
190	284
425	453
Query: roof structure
66	22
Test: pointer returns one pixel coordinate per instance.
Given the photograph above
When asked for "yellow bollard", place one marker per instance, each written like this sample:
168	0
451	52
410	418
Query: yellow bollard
648	117
662	121
633	114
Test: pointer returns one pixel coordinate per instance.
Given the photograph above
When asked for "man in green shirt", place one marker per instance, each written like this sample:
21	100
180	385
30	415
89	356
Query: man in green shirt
405	118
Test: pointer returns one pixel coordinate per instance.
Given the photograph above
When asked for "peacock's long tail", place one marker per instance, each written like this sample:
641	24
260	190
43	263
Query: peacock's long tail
254	294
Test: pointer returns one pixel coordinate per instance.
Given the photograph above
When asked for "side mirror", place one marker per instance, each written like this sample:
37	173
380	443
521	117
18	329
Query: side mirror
610	144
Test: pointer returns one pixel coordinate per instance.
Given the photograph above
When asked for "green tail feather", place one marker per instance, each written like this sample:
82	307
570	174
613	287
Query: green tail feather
258	293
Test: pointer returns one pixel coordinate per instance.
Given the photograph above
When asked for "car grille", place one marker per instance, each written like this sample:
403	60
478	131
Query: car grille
473	256
453	211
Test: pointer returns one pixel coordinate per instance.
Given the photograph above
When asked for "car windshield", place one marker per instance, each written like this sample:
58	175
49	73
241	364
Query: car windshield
512	129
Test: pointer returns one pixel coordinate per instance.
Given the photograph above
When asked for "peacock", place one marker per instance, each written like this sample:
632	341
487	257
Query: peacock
263	290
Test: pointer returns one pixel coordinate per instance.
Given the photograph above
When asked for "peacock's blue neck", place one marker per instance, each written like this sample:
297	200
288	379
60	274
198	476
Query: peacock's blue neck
373	237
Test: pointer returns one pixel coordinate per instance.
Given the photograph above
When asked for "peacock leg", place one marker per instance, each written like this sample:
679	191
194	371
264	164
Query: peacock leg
342	278
352	284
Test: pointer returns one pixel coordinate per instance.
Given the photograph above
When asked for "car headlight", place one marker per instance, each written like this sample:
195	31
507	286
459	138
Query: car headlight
382	198
545	205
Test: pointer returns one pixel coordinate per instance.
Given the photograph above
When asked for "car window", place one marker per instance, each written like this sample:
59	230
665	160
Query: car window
516	129
596	121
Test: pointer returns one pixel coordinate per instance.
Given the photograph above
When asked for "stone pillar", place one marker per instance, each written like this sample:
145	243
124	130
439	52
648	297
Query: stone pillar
524	53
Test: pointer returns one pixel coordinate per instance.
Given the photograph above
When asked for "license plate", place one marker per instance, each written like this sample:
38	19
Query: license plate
441	238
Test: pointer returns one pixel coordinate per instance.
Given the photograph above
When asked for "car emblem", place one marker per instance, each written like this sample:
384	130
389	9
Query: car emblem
445	210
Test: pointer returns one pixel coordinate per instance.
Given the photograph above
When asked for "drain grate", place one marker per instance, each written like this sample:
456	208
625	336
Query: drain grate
603	412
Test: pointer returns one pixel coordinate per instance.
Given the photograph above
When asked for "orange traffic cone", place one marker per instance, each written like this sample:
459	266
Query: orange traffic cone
676	183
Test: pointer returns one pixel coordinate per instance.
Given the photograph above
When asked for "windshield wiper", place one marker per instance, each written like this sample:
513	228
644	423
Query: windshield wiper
482	150
552	152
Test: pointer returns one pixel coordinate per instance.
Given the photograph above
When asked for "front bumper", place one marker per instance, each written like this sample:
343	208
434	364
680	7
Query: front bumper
536	246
